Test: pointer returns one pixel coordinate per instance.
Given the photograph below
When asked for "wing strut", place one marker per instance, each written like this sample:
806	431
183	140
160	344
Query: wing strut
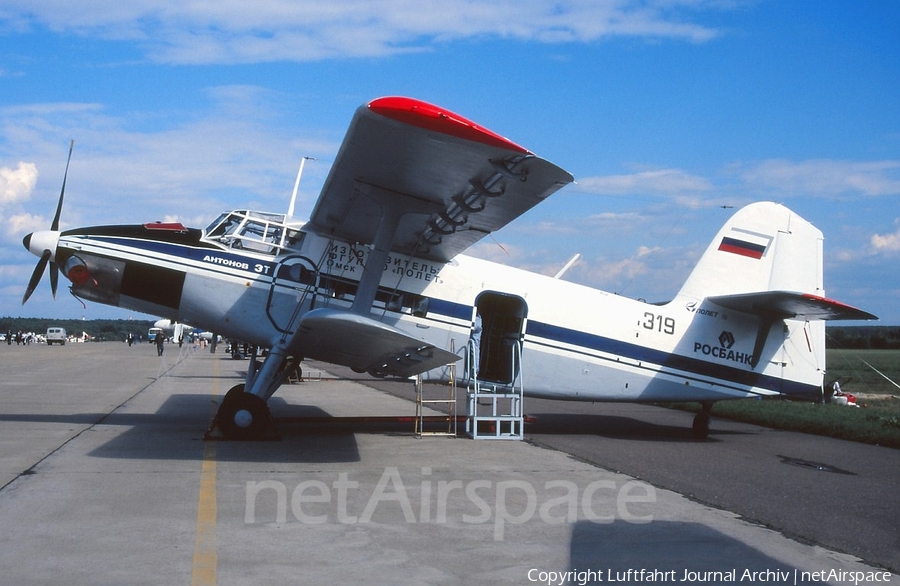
762	336
378	255
393	207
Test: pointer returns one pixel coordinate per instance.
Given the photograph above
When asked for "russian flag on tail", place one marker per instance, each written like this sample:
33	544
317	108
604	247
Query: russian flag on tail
742	247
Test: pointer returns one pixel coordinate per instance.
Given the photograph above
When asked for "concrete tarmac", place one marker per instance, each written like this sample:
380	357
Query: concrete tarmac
105	478
838	494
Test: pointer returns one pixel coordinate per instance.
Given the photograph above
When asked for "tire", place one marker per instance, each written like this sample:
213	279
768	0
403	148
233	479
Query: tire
243	416
700	428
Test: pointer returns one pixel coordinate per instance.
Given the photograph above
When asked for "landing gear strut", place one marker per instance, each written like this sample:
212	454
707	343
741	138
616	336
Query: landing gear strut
243	416
700	429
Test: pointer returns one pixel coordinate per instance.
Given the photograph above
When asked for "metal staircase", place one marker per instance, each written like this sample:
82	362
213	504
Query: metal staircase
494	410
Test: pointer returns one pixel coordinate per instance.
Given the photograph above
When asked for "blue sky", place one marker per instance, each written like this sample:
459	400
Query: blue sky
664	110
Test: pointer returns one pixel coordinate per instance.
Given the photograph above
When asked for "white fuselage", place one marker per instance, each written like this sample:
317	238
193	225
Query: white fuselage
578	343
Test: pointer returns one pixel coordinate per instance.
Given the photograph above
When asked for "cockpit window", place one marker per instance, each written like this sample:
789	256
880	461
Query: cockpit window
260	232
259	236
224	224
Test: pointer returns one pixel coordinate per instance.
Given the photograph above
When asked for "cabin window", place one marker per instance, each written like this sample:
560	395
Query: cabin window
419	306
389	299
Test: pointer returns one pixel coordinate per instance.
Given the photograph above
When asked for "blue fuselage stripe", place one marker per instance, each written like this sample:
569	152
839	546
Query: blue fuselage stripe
593	345
537	332
206	258
666	360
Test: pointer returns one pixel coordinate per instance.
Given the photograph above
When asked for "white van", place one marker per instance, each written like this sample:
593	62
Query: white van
56	336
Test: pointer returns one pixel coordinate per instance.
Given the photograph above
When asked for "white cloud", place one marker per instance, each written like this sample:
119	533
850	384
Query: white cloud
9	271
613	221
826	177
490	249
17	184
658	182
233	31
230	156
620	272
887	242
772	179
20	224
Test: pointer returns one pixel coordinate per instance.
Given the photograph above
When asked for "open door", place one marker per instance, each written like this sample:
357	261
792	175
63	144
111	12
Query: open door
501	318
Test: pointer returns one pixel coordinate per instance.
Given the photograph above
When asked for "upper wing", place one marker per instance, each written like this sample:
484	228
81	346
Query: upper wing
788	304
453	181
366	344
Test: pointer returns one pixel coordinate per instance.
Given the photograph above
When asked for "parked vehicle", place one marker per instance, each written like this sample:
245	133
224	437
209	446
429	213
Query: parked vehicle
56	336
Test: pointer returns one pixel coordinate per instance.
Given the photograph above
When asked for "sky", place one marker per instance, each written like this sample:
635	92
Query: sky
669	113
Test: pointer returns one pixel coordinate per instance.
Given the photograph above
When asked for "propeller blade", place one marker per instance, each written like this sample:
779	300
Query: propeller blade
54	277
55	225
36	275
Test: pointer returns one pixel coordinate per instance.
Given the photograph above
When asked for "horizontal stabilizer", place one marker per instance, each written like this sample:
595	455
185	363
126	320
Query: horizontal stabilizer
366	344
790	305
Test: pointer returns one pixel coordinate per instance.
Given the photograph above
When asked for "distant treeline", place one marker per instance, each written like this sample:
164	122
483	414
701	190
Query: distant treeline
863	337
101	330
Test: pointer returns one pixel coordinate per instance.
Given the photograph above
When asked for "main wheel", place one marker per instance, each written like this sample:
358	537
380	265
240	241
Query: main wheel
700	428
243	416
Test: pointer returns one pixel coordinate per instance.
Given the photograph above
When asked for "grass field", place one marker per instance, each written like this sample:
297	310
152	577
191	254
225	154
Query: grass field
856	371
875	421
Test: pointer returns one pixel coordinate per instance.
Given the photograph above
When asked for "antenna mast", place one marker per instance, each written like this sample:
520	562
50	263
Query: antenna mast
290	213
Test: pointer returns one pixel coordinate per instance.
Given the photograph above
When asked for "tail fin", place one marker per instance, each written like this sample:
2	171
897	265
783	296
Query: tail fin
763	247
767	261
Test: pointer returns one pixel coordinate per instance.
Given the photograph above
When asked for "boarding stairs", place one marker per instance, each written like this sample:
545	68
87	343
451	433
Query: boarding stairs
494	410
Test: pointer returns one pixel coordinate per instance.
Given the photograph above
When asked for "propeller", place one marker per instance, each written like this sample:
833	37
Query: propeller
45	242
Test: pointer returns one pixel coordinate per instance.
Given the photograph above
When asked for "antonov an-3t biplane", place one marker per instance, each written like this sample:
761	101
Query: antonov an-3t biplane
376	281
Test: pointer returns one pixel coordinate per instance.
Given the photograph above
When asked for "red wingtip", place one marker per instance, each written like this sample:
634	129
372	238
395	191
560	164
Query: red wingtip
841	310
434	118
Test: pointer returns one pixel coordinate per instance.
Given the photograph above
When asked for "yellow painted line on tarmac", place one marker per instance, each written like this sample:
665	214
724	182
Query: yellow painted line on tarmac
204	569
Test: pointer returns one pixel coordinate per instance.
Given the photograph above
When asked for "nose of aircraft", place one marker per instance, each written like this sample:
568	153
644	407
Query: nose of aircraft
38	242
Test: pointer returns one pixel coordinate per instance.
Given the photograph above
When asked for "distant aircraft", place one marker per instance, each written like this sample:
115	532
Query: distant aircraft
176	330
376	281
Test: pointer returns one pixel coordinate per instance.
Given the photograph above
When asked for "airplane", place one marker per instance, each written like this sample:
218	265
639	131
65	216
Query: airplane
376	280
176	330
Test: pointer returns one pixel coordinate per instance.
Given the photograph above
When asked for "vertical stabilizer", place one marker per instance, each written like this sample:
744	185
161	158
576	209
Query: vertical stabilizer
766	262
763	247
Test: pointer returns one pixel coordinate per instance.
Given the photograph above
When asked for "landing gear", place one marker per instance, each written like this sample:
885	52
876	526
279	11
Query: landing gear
243	416
700	428
243	413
